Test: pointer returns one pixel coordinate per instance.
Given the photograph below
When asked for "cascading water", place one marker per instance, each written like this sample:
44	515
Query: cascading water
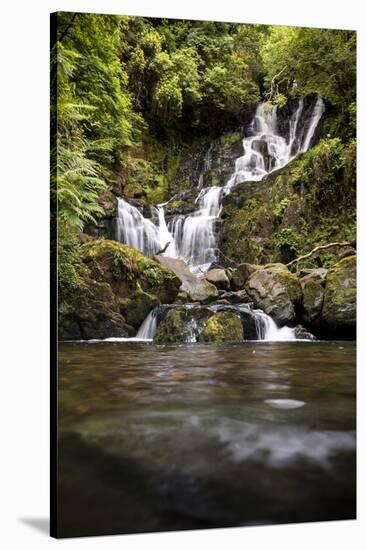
193	237
135	230
316	115
265	150
268	330
148	328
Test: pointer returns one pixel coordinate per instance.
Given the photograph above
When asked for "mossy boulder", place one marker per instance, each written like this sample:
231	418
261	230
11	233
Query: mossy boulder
91	312
339	307
221	327
196	289
240	274
181	324
275	290
117	289
219	278
312	284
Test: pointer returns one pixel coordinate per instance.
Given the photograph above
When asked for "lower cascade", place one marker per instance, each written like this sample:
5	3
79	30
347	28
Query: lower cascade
257	324
193	237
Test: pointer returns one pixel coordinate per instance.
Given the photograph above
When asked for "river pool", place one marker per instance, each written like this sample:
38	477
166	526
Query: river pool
190	436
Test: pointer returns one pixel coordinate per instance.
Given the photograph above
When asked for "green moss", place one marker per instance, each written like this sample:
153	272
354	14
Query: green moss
339	307
175	205
310	202
222	326
172	327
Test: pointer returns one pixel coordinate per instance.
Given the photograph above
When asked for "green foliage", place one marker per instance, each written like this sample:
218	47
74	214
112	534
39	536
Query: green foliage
181	71
92	111
303	61
290	241
280	209
69	262
130	94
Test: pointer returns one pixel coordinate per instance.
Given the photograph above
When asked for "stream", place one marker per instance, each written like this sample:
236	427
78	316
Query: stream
191	436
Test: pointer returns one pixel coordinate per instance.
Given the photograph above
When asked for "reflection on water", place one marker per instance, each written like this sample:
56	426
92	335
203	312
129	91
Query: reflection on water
180	437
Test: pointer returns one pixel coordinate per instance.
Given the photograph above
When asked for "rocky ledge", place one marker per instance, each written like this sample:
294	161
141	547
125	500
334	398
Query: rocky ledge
118	286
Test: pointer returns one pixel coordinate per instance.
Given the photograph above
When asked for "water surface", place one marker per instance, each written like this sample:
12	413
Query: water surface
180	437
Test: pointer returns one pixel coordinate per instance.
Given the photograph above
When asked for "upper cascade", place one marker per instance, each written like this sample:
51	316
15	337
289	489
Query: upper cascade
193	237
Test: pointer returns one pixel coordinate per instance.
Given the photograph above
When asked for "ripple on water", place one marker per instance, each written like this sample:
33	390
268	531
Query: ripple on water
285	403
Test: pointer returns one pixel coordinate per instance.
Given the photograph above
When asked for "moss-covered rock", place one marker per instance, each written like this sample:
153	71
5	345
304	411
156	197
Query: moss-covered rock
181	324
196	289
172	328
312	283
207	164
219	278
221	327
293	209
117	289
241	274
277	291
339	307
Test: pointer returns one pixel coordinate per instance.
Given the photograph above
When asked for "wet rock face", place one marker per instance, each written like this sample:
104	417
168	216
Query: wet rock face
275	290
302	334
118	288
180	325
241	274
195	288
93	314
221	327
219	278
312	284
339	308
205	165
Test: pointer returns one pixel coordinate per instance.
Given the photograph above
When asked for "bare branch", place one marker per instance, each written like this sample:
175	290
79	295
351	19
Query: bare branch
316	249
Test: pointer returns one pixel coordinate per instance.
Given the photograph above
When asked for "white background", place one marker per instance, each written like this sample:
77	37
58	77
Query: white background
24	271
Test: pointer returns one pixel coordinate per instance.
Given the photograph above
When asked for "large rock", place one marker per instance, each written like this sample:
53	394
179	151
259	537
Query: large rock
239	297
92	312
181	324
222	326
219	278
312	283
240	274
339	308
117	289
197	289
275	290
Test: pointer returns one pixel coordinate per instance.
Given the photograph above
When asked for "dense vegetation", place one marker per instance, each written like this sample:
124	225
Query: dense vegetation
130	94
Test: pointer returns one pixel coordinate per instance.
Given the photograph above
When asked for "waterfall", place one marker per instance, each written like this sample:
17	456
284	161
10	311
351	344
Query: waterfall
135	230
148	328
165	235
265	328
294	121
316	115
268	330
194	237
